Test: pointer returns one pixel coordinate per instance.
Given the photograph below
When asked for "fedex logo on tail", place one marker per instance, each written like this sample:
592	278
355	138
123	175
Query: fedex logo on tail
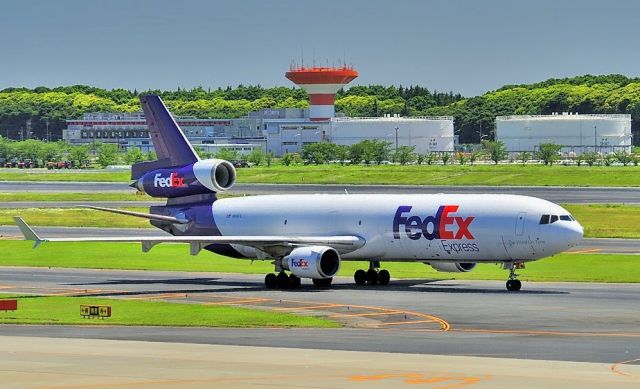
173	181
442	225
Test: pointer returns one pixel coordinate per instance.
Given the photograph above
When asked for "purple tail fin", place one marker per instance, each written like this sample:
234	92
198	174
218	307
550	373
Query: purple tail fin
172	147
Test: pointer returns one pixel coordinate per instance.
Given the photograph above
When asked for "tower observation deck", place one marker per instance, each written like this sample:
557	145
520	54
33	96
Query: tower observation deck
321	84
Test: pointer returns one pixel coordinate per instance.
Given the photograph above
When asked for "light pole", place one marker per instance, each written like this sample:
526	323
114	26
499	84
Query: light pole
595	139
396	138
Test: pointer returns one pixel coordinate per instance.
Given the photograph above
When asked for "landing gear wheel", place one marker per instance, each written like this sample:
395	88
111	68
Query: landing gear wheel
282	280
322	282
514	285
372	277
360	277
294	281
384	277
270	281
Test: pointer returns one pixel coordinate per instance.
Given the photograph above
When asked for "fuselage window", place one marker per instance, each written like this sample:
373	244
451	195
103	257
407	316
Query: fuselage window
544	219
554	218
565	218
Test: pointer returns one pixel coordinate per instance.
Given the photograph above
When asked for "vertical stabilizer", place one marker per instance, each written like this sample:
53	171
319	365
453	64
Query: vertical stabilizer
168	139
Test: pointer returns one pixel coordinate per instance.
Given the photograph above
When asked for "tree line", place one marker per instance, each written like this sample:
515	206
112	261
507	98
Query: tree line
474	117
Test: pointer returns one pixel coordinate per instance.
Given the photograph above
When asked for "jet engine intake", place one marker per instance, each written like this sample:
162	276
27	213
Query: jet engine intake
452	267
313	262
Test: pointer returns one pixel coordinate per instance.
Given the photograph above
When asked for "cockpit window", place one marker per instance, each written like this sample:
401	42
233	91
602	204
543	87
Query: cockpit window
544	219
554	218
565	217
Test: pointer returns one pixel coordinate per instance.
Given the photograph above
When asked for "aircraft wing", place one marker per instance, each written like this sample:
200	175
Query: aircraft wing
275	245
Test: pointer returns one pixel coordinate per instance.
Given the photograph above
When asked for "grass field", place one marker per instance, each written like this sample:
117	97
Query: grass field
66	310
600	221
513	174
562	267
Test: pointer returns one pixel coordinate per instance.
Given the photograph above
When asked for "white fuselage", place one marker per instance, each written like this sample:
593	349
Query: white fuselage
442	227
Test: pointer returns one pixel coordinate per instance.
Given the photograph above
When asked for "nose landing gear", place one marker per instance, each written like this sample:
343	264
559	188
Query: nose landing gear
513	284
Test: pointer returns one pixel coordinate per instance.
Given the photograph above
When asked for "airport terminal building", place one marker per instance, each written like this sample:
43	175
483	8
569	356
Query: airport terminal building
577	133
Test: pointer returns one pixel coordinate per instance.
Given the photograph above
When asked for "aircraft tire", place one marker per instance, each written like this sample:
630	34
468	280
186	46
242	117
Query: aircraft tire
294	281
282	280
270	281
384	277
372	277
360	277
514	285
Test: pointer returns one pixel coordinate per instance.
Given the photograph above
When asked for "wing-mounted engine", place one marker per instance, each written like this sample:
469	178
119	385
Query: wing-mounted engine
452	267
206	176
313	262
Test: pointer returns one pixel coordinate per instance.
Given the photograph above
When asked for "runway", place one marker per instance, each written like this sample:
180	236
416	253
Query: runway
574	195
545	321
592	245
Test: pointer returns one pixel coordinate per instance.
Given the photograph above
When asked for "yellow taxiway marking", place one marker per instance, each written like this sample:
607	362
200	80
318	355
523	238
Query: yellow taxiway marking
367	314
615	368
399	323
310	307
583	251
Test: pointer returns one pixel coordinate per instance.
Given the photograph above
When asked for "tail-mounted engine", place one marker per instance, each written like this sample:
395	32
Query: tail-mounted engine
313	262
452	267
206	176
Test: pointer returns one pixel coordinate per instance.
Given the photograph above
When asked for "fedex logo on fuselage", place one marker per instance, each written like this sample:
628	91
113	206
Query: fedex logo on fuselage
173	181
442	225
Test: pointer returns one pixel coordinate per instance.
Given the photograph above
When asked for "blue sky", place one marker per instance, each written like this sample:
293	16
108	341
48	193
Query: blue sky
467	46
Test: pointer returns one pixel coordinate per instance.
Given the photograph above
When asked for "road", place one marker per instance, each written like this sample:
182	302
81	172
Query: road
555	194
596	245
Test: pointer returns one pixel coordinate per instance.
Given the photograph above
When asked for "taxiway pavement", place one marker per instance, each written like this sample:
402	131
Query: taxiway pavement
545	321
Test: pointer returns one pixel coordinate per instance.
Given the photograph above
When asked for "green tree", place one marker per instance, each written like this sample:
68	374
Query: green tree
227	154
256	156
623	157
290	159
473	157
268	158
461	157
108	155
342	153
548	153
318	153
404	155
591	157
133	155
79	155
495	150
430	158
523	157
445	157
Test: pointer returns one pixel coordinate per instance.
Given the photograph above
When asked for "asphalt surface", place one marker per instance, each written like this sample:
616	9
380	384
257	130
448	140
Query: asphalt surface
596	245
554	194
545	321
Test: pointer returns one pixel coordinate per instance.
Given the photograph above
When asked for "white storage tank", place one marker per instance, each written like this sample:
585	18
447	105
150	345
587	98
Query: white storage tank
427	134
576	133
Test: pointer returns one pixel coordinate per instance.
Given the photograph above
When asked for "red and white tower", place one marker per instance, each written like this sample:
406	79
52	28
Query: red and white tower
321	85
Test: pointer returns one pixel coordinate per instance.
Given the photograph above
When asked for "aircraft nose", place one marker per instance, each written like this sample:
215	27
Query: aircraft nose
574	232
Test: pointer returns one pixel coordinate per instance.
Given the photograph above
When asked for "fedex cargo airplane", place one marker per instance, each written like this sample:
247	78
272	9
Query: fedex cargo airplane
308	236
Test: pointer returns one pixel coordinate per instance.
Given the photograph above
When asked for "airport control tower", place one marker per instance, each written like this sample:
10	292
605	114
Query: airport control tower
321	84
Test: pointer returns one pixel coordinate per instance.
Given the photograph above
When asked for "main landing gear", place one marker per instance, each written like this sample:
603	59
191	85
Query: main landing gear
513	284
281	281
373	276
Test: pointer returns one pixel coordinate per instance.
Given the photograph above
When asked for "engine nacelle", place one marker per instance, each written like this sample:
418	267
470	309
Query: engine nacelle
207	176
452	267
313	262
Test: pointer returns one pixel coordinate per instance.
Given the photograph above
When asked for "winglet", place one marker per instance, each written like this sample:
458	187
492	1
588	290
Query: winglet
28	232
